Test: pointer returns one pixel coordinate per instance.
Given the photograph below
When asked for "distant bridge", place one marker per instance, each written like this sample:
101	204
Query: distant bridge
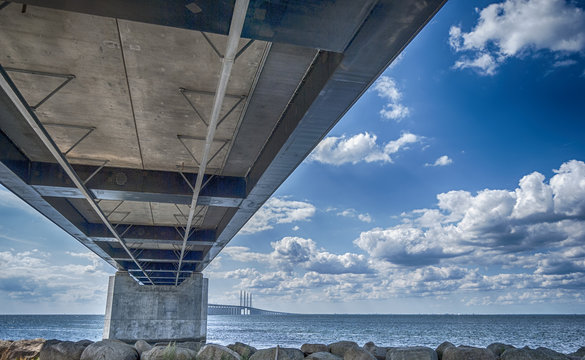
245	308
217	309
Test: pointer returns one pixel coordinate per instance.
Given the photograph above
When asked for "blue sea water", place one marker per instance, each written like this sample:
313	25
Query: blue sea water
564	333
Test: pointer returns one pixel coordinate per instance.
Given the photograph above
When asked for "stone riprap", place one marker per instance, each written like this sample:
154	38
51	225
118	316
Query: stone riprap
40	349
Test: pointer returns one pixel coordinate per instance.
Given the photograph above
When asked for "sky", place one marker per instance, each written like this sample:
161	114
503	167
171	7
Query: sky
456	184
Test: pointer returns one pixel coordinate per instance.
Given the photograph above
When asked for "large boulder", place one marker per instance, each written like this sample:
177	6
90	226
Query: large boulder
142	346
441	348
314	348
411	353
323	355
63	350
527	353
23	349
379	352
109	350
193	345
499	348
244	350
358	353
339	348
283	354
217	352
168	352
467	353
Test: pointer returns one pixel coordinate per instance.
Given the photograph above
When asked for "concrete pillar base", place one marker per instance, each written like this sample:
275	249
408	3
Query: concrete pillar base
156	313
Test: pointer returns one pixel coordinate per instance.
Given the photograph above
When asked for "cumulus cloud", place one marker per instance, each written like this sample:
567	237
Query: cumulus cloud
387	89
352	213
278	210
360	148
31	276
491	247
516	28
536	215
291	253
441	161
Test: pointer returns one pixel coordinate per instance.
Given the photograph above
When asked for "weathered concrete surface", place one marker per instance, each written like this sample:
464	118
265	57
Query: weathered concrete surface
160	313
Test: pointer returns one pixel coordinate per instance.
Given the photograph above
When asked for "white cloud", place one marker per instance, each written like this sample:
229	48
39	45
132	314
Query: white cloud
365	218
387	89
441	161
293	253
515	28
31	277
352	213
564	63
295	228
278	210
536	215
361	147
492	247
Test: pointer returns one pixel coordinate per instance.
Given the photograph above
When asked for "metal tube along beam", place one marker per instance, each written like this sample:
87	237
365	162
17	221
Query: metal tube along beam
8	87
237	23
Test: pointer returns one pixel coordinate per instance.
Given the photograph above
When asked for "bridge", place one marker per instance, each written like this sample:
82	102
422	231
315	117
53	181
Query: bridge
217	309
151	131
244	308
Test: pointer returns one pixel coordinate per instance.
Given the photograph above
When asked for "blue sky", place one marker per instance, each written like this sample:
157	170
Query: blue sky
455	184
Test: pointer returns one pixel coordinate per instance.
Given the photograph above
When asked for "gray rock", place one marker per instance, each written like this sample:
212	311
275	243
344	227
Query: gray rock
339	348
527	353
63	350
357	353
217	352
84	342
22	349
142	346
579	354
411	353
109	350
244	350
467	353
379	352
499	348
322	355
441	348
192	345
283	354
168	352
314	348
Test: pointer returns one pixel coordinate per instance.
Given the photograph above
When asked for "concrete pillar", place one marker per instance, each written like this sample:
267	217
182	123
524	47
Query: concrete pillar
156	313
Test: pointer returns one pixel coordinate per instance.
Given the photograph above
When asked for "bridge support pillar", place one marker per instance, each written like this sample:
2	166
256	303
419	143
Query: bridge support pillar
156	313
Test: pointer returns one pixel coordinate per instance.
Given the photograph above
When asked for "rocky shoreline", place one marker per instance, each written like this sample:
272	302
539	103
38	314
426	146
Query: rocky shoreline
40	349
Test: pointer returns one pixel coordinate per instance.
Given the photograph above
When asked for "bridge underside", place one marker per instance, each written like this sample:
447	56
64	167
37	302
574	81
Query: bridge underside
114	124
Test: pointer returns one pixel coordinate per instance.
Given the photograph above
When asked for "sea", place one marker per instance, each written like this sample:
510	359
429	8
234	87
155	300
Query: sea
563	333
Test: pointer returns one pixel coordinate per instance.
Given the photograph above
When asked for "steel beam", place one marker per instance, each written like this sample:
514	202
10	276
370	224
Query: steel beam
148	267
145	232
157	255
235	32
112	183
316	24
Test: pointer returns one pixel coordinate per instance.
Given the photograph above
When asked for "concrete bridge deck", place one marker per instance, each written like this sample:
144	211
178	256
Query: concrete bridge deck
151	131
